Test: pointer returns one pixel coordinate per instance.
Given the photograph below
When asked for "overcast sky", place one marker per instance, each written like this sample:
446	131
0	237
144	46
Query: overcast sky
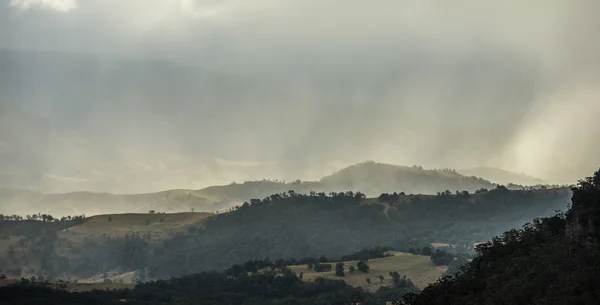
306	83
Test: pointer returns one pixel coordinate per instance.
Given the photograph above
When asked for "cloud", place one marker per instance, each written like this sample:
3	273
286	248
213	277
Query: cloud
205	8
56	5
314	82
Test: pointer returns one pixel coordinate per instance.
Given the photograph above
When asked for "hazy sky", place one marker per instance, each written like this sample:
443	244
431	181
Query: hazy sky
142	94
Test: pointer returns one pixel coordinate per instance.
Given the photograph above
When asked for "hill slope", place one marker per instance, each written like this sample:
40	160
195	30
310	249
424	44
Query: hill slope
21	202
551	261
156	226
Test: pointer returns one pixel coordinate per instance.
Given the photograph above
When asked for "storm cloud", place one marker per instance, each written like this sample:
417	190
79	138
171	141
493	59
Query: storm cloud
136	95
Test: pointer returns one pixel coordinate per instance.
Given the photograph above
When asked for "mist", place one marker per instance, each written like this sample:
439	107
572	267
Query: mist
137	96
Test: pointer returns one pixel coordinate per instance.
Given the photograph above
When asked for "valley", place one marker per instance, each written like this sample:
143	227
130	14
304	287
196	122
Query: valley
141	246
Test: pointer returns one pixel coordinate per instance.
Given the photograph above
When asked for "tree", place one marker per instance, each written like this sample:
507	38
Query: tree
442	258
352	269
109	219
362	267
381	278
368	281
2	276
322	267
427	251
152	212
339	269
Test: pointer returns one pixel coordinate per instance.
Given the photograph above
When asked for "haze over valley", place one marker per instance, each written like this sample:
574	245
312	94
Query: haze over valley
299	152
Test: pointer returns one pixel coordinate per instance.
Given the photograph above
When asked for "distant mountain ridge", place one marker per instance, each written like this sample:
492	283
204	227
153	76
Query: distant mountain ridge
376	178
502	176
370	177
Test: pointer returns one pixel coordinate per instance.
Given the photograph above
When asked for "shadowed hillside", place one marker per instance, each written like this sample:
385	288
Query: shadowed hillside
551	260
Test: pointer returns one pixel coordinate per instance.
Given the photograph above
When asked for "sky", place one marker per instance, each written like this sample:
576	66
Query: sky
141	95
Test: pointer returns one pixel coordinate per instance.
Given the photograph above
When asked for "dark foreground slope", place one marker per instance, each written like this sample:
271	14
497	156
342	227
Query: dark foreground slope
550	261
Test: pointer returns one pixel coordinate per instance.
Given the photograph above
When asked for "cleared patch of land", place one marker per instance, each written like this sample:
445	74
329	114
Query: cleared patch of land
158	226
419	269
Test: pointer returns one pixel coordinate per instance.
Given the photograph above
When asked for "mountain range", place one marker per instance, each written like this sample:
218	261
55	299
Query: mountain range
369	177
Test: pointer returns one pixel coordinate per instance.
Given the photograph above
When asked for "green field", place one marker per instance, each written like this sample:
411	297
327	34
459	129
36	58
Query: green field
419	269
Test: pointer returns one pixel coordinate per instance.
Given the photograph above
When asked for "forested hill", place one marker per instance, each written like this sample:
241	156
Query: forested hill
553	260
287	225
292	225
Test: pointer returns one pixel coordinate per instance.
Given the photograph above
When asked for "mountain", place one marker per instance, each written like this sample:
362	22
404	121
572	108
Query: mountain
376	178
501	176
369	177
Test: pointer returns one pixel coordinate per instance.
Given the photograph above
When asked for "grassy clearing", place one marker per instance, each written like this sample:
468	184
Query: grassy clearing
419	269
159	226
